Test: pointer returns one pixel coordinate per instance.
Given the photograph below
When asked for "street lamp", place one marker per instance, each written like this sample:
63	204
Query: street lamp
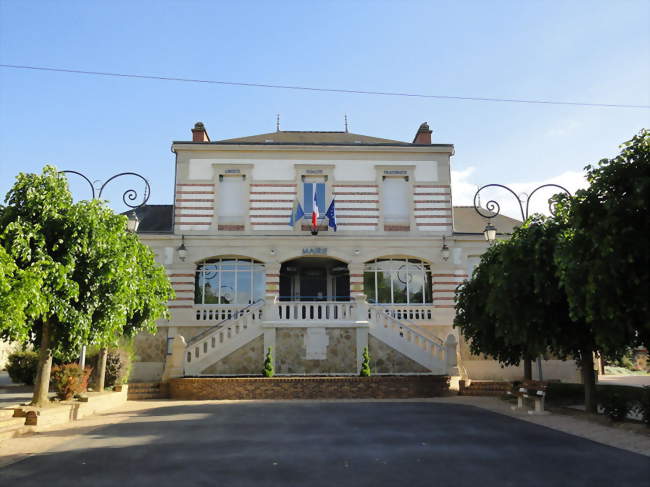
490	232
132	222
493	209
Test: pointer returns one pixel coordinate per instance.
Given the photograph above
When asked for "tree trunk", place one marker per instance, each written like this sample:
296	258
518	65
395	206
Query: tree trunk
588	378
101	372
42	383
528	369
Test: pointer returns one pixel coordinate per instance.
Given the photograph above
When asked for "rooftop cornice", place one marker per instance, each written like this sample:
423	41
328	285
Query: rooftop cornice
255	146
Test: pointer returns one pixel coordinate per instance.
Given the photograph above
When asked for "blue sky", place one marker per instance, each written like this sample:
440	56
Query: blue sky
595	52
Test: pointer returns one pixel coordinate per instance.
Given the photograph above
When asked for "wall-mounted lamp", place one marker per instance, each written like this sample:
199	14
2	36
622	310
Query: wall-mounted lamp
444	251
182	250
356	251
273	251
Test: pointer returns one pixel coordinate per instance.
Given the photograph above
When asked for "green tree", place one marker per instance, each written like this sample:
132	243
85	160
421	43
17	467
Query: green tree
515	307
90	280
603	256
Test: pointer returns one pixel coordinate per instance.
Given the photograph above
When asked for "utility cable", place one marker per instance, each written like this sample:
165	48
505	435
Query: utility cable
326	90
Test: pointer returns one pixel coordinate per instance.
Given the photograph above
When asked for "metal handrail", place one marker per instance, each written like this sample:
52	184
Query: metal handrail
236	315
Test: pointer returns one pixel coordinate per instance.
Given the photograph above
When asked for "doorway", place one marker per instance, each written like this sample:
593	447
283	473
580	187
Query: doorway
314	279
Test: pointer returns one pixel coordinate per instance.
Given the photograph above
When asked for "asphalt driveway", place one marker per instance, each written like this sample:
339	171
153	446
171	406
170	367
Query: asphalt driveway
327	444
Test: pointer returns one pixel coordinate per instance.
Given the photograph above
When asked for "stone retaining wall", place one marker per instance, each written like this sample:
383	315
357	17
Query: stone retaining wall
378	387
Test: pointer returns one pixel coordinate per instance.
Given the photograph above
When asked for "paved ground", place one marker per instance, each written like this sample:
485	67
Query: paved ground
327	444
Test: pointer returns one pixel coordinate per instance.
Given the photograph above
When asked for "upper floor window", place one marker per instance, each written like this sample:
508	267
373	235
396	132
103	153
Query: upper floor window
397	281
229	281
308	191
396	200
232	199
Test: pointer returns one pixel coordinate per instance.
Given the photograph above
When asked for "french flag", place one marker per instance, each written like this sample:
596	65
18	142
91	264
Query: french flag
314	211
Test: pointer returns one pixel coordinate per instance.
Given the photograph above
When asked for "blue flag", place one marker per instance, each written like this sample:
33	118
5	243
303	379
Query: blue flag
297	213
331	216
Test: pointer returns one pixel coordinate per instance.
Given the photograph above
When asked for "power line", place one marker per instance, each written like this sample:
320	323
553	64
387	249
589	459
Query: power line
327	90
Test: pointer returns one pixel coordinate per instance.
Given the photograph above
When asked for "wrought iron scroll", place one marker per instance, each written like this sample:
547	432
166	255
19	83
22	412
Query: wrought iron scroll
494	208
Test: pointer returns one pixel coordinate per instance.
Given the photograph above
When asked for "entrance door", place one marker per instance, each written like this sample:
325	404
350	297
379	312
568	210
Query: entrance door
313	284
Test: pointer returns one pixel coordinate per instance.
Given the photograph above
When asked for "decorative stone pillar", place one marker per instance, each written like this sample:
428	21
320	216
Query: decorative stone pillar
356	278
174	366
451	362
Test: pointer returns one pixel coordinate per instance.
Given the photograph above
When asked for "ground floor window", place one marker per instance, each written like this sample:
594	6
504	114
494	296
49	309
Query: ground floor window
397	281
229	281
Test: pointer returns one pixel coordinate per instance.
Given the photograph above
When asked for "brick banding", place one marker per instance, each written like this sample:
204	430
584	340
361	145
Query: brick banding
378	387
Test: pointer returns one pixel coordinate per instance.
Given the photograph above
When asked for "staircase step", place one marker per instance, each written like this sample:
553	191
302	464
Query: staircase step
146	390
486	388
140	397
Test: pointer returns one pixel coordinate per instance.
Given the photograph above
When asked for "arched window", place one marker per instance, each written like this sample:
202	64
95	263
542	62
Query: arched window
397	281
229	280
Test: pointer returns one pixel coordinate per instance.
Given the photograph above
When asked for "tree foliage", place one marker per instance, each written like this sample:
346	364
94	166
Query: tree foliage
603	256
514	306
71	274
573	284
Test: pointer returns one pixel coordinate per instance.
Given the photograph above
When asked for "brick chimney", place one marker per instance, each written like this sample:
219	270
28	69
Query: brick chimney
199	134
423	135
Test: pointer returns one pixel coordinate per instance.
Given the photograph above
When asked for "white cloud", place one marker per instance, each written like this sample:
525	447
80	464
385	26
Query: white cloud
463	190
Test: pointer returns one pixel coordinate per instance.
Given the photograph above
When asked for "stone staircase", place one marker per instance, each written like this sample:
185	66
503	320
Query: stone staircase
222	339
426	350
10	426
483	388
139	391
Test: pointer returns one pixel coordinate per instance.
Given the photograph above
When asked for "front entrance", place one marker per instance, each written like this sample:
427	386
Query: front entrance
314	279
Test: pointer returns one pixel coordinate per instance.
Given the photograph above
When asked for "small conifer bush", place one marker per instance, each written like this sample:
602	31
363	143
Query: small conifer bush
365	365
268	365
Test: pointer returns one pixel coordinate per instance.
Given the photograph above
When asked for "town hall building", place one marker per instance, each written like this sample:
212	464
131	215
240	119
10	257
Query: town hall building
251	272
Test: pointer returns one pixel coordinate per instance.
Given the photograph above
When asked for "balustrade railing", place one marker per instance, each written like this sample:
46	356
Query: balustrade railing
411	312
430	345
218	312
314	311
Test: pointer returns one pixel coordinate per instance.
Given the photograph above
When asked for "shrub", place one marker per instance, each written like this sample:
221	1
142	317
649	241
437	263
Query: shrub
615	404
118	366
644	405
365	365
268	365
22	367
69	380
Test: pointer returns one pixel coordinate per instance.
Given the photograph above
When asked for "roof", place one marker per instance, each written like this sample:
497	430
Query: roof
312	137
467	220
159	218
154	218
296	137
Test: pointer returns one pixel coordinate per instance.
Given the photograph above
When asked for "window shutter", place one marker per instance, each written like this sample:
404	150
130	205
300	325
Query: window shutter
396	200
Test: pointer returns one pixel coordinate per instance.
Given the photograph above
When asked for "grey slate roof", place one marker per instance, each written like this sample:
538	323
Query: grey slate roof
312	137
155	218
466	220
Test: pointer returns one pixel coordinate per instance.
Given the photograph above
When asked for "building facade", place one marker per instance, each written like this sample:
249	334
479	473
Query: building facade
249	274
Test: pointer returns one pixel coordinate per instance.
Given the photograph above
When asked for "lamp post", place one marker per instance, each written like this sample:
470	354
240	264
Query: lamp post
494	209
132	223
